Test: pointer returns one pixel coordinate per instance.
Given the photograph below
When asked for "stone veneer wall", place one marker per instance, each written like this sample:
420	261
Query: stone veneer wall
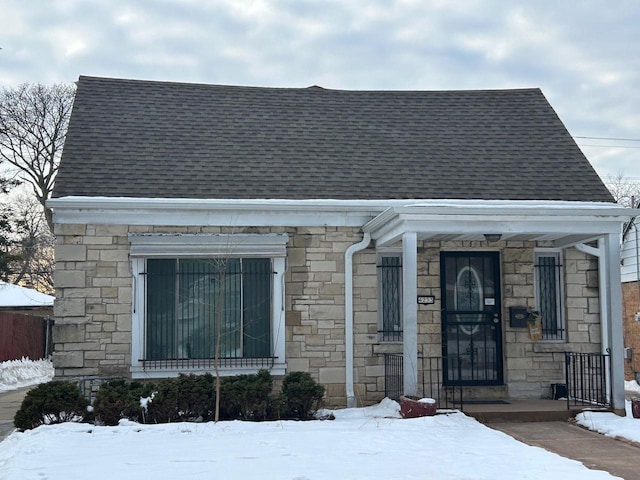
630	306
92	335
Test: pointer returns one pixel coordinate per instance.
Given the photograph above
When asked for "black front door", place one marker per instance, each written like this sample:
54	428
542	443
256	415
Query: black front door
471	327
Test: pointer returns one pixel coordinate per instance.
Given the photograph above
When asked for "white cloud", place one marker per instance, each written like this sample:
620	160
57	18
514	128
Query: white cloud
584	55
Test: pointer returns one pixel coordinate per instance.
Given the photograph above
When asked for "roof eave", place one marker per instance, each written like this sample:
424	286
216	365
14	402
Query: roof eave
279	212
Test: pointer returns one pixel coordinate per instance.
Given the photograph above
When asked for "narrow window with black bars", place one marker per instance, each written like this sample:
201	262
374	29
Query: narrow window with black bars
549	288
197	306
390	298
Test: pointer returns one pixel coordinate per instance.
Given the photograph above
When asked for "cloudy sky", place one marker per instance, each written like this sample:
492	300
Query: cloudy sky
583	54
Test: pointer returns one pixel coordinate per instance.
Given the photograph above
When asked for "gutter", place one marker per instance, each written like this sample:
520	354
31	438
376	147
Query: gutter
428	206
348	315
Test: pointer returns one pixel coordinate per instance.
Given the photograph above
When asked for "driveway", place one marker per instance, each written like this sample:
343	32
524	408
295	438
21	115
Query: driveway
9	404
594	450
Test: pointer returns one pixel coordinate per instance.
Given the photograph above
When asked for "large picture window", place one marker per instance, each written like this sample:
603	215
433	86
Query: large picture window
207	300
198	306
549	293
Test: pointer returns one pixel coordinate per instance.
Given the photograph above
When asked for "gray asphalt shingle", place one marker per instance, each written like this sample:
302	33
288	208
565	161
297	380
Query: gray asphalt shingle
130	138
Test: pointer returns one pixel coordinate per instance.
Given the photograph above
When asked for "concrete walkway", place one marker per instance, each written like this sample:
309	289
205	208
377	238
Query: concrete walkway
594	450
9	404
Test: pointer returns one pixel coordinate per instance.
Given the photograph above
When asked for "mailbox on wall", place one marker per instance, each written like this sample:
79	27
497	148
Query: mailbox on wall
518	317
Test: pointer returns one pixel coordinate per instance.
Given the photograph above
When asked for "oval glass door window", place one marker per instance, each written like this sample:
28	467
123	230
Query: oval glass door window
468	297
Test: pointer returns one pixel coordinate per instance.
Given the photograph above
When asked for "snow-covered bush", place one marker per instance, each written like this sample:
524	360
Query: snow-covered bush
52	402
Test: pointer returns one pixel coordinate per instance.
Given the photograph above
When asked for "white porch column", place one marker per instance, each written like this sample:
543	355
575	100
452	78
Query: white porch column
614	317
410	311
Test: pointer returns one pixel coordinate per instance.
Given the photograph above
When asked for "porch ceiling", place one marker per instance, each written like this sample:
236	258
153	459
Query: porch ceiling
561	223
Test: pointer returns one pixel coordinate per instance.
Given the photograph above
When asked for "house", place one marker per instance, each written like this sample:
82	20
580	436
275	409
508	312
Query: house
630	271
17	299
327	231
25	323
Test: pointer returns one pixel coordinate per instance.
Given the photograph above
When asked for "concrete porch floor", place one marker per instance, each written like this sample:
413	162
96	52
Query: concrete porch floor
524	411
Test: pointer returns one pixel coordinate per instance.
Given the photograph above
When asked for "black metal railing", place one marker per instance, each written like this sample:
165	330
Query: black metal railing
390	335
393	376
209	363
587	377
432	382
430	379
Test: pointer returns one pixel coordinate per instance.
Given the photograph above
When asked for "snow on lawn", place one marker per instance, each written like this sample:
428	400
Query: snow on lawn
611	424
631	386
24	373
367	443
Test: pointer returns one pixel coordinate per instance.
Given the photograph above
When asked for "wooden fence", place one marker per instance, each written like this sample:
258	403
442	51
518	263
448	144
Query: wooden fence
23	336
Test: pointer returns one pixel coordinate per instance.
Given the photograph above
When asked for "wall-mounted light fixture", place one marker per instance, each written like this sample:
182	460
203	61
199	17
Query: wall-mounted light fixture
492	237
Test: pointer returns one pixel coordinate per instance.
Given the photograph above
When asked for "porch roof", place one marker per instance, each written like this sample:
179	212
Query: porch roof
562	223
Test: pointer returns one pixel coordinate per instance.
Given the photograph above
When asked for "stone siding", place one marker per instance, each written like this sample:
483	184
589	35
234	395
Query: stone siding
92	334
94	290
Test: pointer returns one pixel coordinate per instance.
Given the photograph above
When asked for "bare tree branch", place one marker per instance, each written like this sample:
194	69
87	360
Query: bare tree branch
32	247
33	126
624	191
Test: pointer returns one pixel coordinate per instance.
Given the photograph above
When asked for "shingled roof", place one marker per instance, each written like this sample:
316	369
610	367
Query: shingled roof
130	138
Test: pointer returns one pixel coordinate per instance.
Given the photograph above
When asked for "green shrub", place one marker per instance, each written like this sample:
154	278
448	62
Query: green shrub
52	402
118	399
300	396
191	398
186	398
246	397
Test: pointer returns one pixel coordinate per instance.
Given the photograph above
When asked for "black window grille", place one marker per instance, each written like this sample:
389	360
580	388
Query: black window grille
390	274
549	291
195	306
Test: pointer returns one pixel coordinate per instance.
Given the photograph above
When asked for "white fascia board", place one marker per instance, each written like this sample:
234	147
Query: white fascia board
521	207
507	211
181	212
448	224
327	212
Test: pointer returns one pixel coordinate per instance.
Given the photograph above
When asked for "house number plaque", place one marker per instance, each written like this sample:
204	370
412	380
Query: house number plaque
426	299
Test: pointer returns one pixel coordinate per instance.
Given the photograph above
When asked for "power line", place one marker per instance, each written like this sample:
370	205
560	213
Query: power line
609	146
610	138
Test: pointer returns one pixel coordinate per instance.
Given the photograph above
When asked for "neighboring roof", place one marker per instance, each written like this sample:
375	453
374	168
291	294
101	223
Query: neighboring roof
130	138
17	296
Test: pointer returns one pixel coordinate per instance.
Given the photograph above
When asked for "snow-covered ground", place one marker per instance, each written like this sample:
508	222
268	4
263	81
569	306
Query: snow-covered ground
613	425
366	443
23	373
631	386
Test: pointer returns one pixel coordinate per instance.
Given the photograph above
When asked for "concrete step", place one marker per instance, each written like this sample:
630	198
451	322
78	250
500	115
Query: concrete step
493	392
521	411
520	416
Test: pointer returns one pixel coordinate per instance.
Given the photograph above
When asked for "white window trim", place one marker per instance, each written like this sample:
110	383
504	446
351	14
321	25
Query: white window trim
560	291
170	245
387	252
150	246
